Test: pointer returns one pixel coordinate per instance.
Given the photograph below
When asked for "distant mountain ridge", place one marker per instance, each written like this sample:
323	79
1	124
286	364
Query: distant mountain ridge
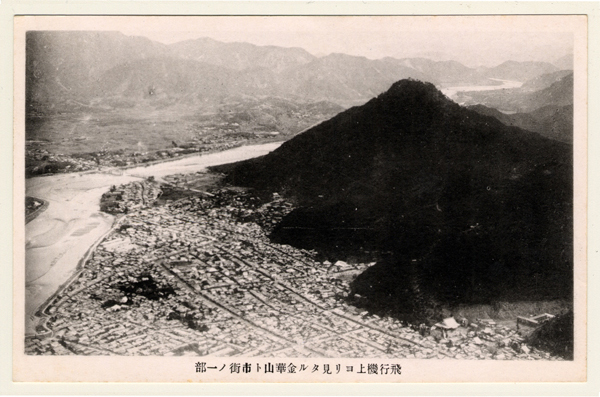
63	67
240	56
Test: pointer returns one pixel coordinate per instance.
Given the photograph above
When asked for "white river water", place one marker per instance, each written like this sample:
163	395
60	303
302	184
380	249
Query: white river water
451	92
62	235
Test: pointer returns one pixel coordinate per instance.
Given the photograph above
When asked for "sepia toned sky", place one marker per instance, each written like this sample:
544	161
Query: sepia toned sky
473	41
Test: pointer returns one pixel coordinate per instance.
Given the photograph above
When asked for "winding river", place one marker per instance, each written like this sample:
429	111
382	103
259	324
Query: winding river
59	238
451	92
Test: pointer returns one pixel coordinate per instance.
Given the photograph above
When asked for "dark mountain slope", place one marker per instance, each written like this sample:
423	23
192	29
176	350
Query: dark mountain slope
461	207
545	80
564	62
409	118
559	93
554	122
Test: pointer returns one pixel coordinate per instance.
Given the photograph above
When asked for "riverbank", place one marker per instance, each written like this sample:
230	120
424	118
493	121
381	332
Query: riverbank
60	236
453	92
33	207
135	161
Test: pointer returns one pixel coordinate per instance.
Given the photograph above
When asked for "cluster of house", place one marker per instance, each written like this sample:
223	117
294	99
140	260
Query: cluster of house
40	161
129	197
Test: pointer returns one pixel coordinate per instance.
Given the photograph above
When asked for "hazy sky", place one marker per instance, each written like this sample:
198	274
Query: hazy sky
471	40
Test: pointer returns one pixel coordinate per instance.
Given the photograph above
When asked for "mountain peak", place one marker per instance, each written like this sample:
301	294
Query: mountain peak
415	96
413	175
414	88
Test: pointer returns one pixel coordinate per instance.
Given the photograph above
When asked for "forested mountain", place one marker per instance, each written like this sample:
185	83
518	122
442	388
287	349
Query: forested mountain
467	208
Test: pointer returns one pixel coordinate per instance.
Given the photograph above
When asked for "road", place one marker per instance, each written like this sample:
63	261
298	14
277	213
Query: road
60	237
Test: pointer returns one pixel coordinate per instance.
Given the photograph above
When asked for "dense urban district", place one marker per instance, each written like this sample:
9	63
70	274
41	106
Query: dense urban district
186	272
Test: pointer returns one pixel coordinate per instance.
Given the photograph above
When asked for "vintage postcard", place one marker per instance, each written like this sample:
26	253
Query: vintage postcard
344	199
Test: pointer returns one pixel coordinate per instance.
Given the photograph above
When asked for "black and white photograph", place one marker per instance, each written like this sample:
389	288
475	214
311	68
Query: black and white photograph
287	197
